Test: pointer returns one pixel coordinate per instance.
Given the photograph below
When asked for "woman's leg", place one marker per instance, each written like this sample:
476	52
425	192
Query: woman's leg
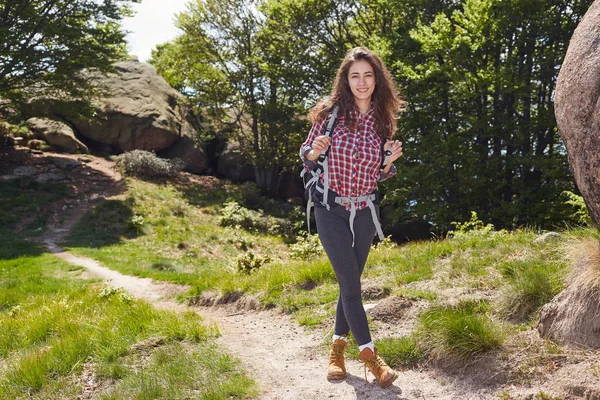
348	263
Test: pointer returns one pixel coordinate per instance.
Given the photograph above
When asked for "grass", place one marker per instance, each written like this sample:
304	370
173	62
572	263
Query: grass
460	331
176	232
172	232
54	324
58	327
398	352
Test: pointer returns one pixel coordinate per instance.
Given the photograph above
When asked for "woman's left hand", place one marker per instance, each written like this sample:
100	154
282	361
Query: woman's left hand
395	146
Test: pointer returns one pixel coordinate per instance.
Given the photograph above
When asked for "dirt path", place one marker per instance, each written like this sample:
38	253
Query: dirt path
286	360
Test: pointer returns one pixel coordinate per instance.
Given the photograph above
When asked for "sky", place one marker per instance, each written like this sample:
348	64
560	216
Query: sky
152	24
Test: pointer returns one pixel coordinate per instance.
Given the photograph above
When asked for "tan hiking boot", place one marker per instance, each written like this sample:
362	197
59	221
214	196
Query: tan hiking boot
384	375
337	368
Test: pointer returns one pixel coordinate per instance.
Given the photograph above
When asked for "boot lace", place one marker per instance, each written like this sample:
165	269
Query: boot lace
376	364
337	351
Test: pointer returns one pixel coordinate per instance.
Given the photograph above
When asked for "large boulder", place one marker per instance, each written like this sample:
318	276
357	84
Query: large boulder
56	134
231	165
190	151
577	108
140	110
573	316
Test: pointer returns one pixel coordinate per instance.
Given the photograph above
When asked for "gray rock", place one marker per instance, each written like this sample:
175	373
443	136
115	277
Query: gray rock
232	166
65	163
190	152
577	108
547	237
26	170
56	134
141	110
50	177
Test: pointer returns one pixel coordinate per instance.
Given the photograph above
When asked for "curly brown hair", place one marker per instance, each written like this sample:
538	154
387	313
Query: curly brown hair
387	102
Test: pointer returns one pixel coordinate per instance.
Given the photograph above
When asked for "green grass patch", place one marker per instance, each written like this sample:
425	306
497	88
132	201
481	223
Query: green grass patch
181	371
53	324
529	285
462	331
397	352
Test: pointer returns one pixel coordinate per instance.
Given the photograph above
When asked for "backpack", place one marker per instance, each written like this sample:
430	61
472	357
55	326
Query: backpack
311	181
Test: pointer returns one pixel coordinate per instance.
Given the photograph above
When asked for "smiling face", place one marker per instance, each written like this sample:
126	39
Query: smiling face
362	81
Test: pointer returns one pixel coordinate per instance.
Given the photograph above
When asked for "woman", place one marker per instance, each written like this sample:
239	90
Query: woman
367	104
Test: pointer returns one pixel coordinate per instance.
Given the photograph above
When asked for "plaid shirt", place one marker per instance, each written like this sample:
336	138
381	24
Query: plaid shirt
354	156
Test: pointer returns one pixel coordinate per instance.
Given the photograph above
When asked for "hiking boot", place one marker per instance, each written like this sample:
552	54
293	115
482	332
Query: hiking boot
336	368
384	375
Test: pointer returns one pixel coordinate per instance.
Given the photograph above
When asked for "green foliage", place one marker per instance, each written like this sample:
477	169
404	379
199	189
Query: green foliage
136	223
461	331
474	224
306	247
46	44
579	215
145	164
248	262
247	63
480	133
234	215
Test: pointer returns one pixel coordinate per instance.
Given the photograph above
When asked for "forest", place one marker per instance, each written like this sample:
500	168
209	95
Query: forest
479	133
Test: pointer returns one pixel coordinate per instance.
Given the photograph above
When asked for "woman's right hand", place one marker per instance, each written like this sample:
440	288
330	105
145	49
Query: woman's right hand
319	146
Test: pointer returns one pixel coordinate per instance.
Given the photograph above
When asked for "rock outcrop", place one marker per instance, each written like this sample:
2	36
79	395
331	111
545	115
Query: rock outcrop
140	111
577	108
573	316
56	134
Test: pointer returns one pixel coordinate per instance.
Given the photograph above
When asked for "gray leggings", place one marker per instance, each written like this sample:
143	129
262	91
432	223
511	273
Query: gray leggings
348	263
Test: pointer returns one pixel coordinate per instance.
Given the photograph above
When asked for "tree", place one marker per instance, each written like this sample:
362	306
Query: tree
259	63
480	134
45	45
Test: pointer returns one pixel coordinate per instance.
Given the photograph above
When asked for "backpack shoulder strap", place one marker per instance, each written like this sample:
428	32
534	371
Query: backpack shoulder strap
332	120
385	154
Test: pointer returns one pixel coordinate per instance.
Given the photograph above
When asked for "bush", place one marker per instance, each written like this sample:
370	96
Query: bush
306	247
580	213
472	225
145	164
233	214
249	262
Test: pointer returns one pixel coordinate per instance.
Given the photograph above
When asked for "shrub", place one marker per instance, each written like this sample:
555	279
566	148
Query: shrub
136	223
580	212
474	224
249	262
233	214
460	331
145	164
306	247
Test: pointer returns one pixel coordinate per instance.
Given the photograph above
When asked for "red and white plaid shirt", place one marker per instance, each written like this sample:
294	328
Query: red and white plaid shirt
354	156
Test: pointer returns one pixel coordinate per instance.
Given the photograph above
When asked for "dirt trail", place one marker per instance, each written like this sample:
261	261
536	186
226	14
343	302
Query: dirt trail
281	356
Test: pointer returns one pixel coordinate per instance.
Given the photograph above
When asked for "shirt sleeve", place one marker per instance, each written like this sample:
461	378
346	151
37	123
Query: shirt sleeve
306	147
383	176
